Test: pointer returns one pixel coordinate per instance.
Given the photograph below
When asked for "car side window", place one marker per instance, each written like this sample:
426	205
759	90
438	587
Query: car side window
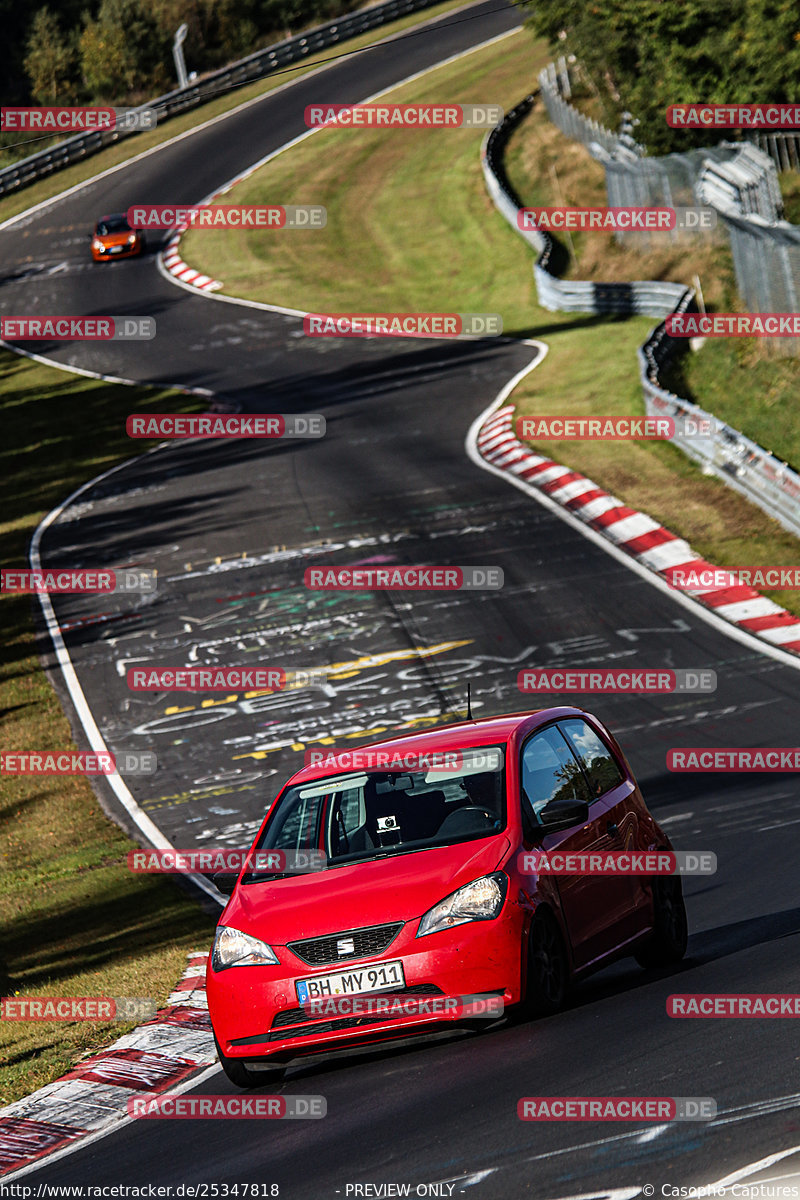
598	762
550	771
294	826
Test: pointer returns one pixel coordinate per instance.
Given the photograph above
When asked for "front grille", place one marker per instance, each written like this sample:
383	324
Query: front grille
368	942
299	1016
289	1023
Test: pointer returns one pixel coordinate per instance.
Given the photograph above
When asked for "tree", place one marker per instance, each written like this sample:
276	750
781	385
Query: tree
121	51
49	60
643	55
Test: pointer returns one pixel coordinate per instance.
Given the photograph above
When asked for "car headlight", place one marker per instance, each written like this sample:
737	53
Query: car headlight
132	240
97	245
232	948
480	900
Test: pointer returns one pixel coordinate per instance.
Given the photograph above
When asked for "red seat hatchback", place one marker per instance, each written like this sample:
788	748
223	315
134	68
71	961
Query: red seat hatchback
422	891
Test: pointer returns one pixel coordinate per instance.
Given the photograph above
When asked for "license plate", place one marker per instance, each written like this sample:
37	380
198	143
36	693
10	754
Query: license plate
381	977
116	249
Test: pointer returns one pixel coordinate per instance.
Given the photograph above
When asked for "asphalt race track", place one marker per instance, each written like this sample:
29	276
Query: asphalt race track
231	526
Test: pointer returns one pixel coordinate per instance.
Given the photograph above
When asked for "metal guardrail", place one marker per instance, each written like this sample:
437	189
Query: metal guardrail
725	452
650	298
737	179
555	89
747	183
255	66
783	148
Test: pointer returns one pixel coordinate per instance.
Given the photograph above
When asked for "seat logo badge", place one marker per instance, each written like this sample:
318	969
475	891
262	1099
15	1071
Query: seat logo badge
345	946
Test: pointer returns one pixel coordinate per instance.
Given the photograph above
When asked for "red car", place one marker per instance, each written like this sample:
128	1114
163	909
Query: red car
422	893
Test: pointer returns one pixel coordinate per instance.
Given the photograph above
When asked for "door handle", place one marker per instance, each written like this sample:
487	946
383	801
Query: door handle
612	829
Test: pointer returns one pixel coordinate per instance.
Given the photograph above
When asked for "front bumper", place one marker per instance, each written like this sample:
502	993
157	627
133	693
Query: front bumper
111	252
256	1014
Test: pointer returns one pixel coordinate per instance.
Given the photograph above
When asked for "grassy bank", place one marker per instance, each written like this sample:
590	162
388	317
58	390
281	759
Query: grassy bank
76	921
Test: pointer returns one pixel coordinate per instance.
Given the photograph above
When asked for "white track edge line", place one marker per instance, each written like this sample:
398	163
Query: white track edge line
751	641
143	823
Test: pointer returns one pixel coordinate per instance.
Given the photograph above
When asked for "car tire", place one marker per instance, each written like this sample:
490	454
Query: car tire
548	968
242	1076
668	943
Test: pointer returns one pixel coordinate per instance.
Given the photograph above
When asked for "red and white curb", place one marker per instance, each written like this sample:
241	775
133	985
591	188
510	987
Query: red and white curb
93	1096
631	531
175	265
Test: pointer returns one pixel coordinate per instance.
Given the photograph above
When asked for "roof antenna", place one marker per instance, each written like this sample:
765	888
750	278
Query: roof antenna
469	702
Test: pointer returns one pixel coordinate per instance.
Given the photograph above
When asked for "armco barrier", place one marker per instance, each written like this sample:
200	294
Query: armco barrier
726	453
737	179
650	298
255	66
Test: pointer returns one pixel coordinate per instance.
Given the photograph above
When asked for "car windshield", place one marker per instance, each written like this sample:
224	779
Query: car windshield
365	815
113	225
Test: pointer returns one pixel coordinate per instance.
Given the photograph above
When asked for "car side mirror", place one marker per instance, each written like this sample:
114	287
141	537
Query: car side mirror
563	814
225	882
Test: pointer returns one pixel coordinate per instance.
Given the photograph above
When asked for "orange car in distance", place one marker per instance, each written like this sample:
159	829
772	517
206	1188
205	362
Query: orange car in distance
114	238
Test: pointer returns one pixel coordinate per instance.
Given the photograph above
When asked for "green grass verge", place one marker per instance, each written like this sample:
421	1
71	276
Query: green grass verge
407	206
739	382
412	211
128	148
76	921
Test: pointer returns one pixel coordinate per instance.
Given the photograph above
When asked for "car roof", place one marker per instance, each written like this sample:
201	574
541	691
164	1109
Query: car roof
484	731
113	217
